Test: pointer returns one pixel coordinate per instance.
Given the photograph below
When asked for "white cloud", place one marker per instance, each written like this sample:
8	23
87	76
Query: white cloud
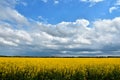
8	3
117	3
92	2
65	35
116	6
14	37
96	1
78	35
56	2
112	9
5	42
12	15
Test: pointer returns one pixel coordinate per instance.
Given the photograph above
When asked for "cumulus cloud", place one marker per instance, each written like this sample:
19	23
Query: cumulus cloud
8	13
76	37
10	36
80	37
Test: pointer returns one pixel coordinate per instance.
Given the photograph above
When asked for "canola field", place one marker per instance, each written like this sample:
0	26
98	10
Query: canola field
59	68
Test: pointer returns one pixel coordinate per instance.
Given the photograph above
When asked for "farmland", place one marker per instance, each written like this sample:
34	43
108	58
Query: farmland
59	68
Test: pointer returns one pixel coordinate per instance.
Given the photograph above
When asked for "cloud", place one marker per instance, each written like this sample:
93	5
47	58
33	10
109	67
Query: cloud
112	9
92	2
77	36
74	37
24	3
80	37
5	42
117	3
56	2
116	6
10	36
8	13
41	19
8	3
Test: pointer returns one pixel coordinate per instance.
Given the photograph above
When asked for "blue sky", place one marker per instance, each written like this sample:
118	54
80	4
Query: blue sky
60	27
67	10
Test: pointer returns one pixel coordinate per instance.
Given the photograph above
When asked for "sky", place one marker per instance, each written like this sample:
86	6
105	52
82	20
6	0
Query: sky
60	27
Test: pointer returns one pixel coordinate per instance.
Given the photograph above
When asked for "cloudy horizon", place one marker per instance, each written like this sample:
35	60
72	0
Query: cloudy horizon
60	27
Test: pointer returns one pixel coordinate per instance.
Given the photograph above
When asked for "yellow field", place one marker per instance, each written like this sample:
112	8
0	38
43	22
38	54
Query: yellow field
59	68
